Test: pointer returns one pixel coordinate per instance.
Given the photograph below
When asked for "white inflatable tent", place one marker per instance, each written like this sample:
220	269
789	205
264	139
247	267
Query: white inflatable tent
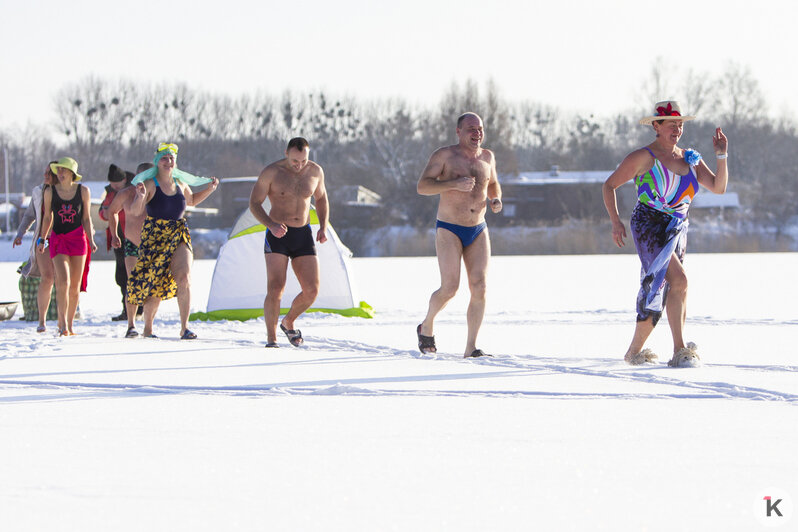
238	287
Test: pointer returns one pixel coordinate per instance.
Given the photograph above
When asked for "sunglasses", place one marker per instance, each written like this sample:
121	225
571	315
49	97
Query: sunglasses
163	146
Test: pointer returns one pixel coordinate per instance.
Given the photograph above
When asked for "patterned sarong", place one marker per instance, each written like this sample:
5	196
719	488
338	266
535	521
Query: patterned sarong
657	236
152	276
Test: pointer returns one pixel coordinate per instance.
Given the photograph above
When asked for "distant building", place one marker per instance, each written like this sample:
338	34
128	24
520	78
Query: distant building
554	195
357	196
355	205
235	193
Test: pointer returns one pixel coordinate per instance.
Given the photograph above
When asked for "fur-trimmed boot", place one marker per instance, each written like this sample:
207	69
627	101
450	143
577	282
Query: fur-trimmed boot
646	356
686	357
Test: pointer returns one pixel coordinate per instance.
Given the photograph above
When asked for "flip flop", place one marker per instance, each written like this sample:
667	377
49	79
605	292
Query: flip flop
272	344
478	353
150	336
41	329
426	344
188	335
131	333
294	335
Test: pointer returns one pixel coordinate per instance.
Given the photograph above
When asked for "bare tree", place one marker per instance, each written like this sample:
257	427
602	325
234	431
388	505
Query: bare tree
96	117
739	99
657	85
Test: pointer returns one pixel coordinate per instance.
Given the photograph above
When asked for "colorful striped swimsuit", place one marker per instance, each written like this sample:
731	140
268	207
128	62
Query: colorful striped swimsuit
665	191
659	228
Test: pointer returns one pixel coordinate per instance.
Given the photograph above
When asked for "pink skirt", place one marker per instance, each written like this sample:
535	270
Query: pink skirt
73	244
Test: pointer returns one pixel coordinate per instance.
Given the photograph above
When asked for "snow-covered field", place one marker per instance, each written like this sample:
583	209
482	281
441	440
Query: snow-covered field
358	431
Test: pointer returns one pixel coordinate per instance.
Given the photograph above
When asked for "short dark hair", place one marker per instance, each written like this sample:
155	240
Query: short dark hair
298	143
464	116
143	166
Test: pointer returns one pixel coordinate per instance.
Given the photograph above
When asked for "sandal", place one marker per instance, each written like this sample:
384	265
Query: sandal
41	329
272	344
131	333
426	344
478	353
188	335
294	335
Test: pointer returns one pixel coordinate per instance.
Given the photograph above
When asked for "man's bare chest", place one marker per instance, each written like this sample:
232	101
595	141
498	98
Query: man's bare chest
478	169
296	186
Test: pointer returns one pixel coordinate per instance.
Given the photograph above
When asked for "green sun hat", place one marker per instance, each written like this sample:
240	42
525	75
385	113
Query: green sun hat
70	164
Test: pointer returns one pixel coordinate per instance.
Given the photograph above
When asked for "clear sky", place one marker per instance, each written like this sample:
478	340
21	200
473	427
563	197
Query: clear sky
581	55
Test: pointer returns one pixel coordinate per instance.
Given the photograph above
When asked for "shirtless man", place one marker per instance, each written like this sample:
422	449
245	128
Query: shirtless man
117	180
289	184
123	201
464	176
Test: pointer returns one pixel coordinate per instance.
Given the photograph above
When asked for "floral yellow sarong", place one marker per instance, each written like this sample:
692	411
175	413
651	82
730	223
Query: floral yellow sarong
152	276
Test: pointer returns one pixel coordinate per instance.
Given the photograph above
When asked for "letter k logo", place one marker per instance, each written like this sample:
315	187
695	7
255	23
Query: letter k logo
772	506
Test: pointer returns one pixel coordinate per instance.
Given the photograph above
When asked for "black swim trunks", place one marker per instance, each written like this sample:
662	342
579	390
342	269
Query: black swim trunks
297	242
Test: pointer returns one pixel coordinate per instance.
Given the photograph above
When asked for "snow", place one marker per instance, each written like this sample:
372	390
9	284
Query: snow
359	431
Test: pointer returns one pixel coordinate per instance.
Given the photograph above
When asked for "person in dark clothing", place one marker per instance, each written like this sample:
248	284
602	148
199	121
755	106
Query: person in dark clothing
117	180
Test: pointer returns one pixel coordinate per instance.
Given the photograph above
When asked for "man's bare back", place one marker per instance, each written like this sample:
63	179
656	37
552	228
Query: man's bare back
133	221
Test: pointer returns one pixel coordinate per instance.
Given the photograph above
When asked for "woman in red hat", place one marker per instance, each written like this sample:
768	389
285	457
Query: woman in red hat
667	178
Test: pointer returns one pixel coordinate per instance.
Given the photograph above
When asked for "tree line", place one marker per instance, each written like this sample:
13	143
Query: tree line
384	144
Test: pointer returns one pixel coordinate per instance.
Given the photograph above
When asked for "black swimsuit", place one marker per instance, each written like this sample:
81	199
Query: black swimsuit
67	214
164	207
296	242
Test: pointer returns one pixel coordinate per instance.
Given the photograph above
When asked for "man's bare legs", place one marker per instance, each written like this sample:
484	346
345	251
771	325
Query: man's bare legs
306	269
181	272
449	250
276	267
475	258
47	271
675	307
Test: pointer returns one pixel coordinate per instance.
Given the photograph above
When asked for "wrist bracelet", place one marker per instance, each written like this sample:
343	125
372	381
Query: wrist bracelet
725	155
39	241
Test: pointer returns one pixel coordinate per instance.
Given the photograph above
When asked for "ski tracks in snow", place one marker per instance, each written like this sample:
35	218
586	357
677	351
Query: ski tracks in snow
534	375
653	374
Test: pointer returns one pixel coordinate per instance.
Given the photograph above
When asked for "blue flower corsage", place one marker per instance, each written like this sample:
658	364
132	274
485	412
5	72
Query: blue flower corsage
692	157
